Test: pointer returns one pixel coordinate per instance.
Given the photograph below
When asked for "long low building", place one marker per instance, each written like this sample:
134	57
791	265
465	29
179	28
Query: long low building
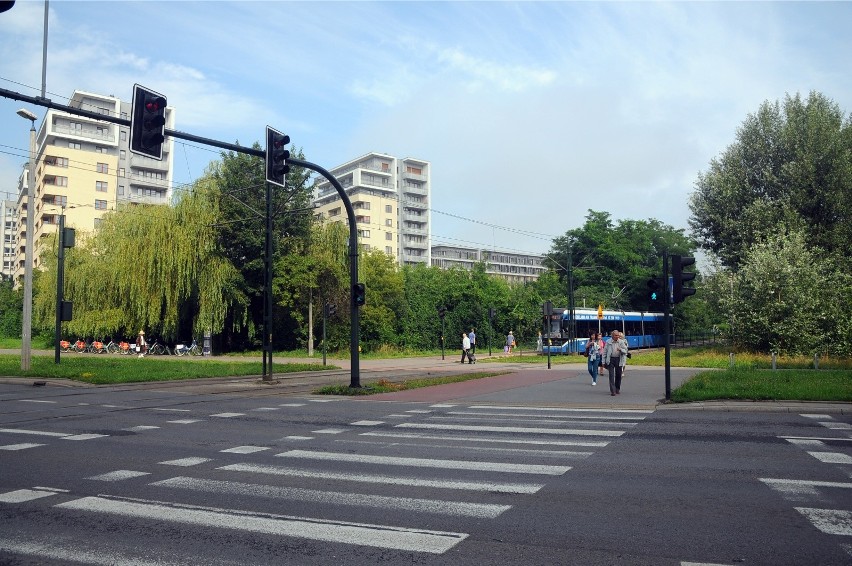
512	266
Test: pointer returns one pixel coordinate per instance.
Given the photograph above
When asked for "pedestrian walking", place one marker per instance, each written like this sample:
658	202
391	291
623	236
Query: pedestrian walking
510	343
593	355
472	336
465	347
615	357
141	344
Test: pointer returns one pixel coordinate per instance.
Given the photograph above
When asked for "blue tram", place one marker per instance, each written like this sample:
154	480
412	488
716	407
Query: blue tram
642	329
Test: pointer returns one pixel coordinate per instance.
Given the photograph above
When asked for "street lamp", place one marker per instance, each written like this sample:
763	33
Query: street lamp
27	320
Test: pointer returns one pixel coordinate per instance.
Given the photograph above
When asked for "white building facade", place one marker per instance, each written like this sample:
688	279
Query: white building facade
8	238
391	198
514	267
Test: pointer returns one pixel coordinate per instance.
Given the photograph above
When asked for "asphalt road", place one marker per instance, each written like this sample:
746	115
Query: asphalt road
537	467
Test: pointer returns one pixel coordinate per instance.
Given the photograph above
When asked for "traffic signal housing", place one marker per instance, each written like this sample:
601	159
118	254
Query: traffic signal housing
359	294
147	122
442	312
276	156
330	310
656	292
679	277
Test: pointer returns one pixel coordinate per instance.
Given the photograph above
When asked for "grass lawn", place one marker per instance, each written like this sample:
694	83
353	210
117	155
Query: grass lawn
762	384
111	369
387	386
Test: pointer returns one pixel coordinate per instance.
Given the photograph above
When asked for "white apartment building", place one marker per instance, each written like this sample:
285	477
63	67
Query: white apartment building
391	199
84	168
514	267
8	238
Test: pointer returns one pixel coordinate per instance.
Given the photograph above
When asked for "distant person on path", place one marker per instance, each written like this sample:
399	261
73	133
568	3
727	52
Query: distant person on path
510	342
593	355
141	345
539	345
615	357
465	347
472	336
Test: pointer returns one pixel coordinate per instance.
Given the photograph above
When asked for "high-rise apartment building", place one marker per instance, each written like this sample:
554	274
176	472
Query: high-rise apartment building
84	168
8	237
391	199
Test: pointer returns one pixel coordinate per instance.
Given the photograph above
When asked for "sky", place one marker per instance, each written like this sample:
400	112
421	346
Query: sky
531	113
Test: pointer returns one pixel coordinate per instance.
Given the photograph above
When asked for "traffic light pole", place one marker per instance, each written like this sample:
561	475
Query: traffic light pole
355	368
667	326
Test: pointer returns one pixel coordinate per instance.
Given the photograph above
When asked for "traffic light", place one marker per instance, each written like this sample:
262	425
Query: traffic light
359	294
656	291
679	277
547	309
330	310
147	122
276	156
442	312
492	312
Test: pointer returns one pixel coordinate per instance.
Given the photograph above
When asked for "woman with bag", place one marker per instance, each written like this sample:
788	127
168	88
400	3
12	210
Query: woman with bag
615	358
593	355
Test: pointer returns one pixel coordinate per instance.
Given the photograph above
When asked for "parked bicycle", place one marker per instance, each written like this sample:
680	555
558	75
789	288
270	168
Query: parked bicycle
158	349
124	348
65	345
80	346
98	348
112	347
193	349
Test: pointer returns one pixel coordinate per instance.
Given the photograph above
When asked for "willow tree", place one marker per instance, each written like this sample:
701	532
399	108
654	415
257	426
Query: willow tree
147	267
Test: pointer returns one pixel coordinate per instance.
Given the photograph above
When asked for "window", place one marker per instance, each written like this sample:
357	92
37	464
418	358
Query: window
99	149
121	171
56	161
364	233
415	170
122	154
388	250
121	190
362	204
388	222
123	135
388	236
389	208
58	181
362	219
334	212
103	168
104	111
124	115
74	145
60	200
100	204
98	223
366	247
101	186
76	126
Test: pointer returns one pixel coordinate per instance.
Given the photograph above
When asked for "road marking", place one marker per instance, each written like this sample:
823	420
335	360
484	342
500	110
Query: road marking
390	480
830	521
514	419
267	409
801	489
832	457
519	429
815	416
185	421
83	436
500	450
292	405
428	463
807	442
392	434
118	475
54	489
561	409
419	411
245	449
329	431
399	416
381	536
22	446
65	552
806	438
702	564
186	462
35	401
228	415
837	426
442	406
454	508
171	410
367	423
24	495
299	437
33	432
323	400
141	427
539	416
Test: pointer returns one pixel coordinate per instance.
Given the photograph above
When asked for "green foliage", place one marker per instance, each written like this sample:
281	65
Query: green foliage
11	310
789	168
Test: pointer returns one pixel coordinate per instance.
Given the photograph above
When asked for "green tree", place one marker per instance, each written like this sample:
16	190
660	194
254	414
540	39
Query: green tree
11	310
790	168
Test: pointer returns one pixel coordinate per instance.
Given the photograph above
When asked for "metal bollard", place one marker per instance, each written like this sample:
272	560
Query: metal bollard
732	360
816	361
773	361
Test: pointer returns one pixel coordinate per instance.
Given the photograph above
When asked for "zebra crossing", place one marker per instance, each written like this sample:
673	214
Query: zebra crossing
424	467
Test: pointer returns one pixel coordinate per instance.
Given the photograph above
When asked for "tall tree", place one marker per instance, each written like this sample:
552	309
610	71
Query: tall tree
790	168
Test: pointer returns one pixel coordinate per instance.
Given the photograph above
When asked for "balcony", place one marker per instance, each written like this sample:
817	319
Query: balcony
418	218
415	189
86	133
414	244
414	176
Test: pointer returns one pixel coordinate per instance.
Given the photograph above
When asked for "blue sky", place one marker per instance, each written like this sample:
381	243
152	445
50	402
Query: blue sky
531	113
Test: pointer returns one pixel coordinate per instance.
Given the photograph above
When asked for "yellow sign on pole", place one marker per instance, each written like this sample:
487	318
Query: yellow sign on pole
600	312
